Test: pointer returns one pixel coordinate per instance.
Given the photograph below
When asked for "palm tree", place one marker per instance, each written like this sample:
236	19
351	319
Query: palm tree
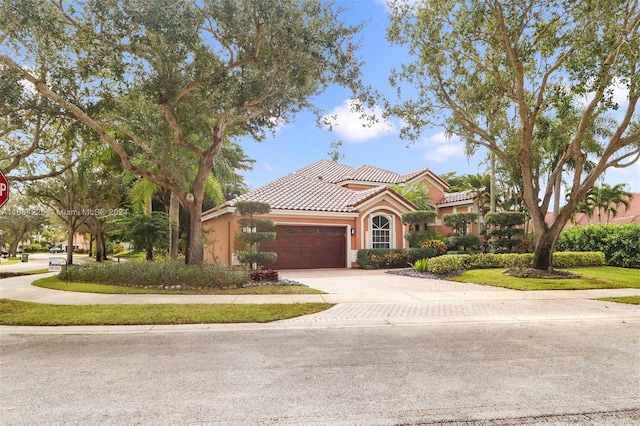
587	206
606	199
417	193
613	197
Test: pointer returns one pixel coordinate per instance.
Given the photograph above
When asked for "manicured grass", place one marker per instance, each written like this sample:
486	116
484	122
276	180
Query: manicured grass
10	261
54	284
632	300
590	278
130	255
19	274
26	313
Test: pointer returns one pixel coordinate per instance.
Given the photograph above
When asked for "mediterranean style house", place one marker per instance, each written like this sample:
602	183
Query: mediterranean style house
325	212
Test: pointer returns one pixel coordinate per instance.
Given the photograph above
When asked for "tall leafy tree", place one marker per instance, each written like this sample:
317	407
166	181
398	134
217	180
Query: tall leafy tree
35	138
163	83
20	218
489	71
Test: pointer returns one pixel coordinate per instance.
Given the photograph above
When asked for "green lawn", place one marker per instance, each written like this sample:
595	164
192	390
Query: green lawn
590	278
632	300
26	313
18	274
54	284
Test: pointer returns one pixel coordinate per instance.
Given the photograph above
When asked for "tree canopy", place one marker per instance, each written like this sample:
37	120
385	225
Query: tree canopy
165	83
493	72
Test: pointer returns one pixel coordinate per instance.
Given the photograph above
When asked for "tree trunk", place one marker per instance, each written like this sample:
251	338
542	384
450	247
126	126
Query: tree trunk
13	247
104	248
195	243
544	253
556	197
70	231
99	245
174	224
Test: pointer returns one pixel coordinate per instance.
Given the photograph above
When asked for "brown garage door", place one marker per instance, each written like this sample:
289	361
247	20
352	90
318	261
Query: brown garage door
305	247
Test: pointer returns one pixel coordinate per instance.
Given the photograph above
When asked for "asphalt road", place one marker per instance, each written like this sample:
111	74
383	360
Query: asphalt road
573	372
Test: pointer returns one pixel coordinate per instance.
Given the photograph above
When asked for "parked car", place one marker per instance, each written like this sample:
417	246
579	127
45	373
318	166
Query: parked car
4	252
54	250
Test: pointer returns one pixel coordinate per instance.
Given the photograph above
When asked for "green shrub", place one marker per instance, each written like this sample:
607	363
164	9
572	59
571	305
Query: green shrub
619	243
415	254
568	259
419	217
454	262
459	222
416	238
439	246
446	264
468	242
254	230
392	258
421	265
505	235
155	274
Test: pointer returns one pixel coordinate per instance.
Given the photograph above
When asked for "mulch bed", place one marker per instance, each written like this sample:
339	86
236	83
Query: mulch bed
551	274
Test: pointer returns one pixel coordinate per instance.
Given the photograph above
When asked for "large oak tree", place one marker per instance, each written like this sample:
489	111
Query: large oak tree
163	83
492	71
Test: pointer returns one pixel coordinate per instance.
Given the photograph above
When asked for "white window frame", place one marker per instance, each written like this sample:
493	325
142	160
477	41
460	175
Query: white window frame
389	243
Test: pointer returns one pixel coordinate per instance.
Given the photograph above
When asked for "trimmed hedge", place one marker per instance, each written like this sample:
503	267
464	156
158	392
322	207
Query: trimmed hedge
454	262
392	258
167	273
619	243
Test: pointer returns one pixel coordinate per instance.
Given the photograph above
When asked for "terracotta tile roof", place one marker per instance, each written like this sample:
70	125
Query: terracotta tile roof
334	172
317	188
454	197
298	192
329	171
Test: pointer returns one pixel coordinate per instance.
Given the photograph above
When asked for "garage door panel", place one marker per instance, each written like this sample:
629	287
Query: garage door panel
304	247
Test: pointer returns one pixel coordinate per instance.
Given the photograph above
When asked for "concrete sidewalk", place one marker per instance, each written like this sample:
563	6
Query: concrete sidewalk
375	297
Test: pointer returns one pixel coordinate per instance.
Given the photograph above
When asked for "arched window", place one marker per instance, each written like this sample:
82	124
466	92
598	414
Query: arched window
381	232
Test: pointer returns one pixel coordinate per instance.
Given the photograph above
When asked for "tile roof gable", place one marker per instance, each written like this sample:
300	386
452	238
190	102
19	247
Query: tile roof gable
455	197
334	172
298	192
317	188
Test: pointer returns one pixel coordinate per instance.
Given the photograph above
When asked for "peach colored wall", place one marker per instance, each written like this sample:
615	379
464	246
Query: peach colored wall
386	208
436	192
220	232
444	230
219	239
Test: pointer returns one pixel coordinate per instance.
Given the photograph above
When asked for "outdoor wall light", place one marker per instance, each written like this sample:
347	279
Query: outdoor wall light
353	231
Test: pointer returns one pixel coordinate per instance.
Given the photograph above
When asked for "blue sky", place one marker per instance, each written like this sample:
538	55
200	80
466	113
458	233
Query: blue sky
302	142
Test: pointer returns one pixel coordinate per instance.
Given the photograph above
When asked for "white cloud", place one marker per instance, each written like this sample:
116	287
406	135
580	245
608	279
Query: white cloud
440	138
277	124
268	167
442	148
352	127
620	95
411	5
445	153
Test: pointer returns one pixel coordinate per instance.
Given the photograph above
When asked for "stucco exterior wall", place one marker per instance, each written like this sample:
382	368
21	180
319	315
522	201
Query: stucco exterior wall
221	231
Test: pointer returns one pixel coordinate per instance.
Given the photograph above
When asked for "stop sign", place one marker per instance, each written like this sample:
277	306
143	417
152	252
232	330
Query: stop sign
4	189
